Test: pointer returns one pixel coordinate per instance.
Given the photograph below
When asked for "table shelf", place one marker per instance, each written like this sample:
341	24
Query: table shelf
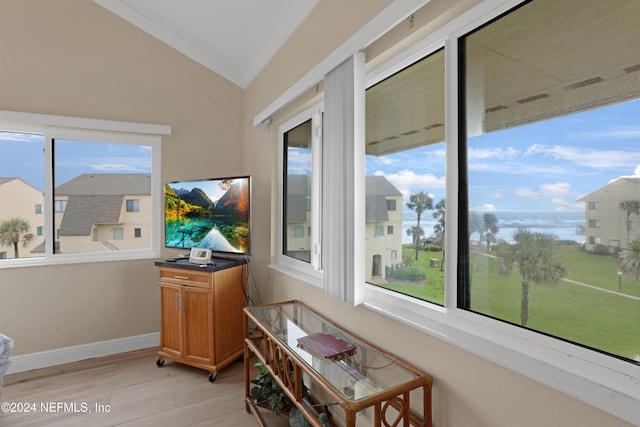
314	360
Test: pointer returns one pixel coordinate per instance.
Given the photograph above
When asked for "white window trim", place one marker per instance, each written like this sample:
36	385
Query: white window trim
308	272
602	381
65	127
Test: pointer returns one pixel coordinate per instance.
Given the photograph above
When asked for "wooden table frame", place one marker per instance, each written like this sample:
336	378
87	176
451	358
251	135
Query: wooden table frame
287	368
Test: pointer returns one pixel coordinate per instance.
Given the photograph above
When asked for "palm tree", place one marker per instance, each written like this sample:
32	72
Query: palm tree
630	207
533	254
490	228
416	233
14	231
438	229
631	259
420	202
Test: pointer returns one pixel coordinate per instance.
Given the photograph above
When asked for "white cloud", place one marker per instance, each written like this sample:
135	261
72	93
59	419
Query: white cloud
500	153
407	182
486	207
625	132
557	190
527	193
22	137
587	157
407	179
636	174
561	205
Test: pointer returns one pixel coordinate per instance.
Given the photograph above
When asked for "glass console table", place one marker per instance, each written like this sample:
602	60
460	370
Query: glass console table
332	376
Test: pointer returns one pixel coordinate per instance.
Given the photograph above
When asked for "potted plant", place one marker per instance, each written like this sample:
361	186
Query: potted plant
268	393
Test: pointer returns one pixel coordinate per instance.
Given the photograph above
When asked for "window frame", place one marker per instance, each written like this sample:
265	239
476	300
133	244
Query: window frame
310	272
91	130
132	205
600	380
587	375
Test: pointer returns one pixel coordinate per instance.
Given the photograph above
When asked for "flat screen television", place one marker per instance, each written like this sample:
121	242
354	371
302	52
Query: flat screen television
209	213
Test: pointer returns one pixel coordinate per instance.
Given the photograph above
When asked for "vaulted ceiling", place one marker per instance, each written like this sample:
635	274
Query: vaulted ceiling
234	38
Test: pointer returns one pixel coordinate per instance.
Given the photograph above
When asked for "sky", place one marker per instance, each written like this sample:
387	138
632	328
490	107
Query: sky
22	156
544	166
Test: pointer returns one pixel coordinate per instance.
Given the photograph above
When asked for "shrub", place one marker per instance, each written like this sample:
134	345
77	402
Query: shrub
411	274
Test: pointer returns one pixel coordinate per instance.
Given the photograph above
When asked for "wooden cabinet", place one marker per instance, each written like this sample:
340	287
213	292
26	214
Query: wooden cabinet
201	311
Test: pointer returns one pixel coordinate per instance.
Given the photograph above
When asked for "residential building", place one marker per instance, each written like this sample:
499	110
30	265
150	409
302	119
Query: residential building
383	211
606	222
103	212
27	203
384	230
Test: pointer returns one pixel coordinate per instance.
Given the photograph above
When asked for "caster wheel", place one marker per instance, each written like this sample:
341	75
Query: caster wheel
212	376
160	362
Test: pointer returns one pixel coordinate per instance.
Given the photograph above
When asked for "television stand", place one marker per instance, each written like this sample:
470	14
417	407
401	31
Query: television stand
201	308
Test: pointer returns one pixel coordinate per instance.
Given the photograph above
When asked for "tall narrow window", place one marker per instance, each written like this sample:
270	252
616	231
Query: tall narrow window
297	190
405	180
300	143
551	143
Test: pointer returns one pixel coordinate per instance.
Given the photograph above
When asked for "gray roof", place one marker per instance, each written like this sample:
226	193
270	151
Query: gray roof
615	183
378	188
9	179
298	185
376	209
97	199
82	212
106	184
298	190
3	180
379	185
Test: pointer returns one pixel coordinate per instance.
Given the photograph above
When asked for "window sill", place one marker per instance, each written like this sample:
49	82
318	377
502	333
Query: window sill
79	258
313	278
602	381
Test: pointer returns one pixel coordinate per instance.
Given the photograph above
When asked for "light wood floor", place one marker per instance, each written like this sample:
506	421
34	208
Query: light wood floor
128	390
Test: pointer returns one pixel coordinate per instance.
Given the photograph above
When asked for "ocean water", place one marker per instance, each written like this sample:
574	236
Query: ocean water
563	225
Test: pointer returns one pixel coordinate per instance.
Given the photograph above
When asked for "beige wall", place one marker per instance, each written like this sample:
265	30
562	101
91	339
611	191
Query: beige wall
468	391
71	57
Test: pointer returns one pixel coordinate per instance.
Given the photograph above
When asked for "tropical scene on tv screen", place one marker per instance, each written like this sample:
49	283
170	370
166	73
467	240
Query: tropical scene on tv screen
210	214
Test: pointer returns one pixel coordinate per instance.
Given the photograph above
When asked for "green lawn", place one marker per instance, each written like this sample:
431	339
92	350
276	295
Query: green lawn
577	313
433	290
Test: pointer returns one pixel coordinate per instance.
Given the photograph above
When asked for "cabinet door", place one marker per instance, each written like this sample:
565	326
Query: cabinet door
229	300
171	331
198	325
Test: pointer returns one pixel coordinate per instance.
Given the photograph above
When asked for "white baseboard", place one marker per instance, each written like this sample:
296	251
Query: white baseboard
59	356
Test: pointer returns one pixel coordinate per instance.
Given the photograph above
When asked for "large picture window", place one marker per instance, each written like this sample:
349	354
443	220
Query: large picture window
552	176
78	193
405	181
537	104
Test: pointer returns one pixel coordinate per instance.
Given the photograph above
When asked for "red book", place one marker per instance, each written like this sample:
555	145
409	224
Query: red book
326	345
